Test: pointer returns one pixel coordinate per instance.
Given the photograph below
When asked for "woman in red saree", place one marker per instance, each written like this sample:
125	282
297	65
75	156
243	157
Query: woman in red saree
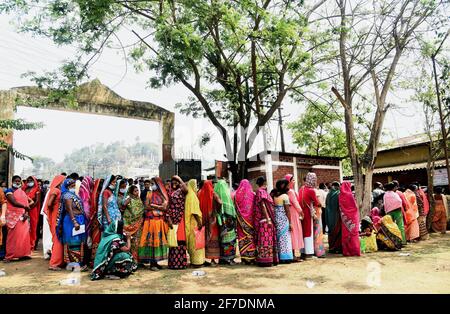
439	222
350	221
244	200
18	239
51	209
34	193
93	227
412	214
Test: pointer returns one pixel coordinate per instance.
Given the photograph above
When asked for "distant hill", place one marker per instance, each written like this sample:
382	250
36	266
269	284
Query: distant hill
130	160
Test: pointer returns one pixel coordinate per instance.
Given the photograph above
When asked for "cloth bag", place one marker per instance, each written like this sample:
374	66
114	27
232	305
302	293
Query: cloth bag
172	236
199	238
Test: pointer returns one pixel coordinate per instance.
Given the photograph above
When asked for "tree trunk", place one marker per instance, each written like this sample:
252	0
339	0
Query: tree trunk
366	203
430	185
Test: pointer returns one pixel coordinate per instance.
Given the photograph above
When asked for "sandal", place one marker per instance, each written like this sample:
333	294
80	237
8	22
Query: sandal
54	268
83	268
154	268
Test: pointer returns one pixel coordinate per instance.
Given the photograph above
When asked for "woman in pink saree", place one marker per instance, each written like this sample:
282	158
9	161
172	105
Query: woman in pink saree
296	215
244	200
350	221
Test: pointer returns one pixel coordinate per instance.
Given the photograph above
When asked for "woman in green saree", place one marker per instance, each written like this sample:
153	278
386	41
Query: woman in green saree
113	258
133	218
226	219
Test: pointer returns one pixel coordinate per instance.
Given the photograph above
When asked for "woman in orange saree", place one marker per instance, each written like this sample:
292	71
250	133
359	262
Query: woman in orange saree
34	193
412	214
439	222
51	209
18	239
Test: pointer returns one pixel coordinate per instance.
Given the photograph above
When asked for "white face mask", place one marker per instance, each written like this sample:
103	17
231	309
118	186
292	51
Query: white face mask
17	186
123	191
154	187
30	184
72	190
112	187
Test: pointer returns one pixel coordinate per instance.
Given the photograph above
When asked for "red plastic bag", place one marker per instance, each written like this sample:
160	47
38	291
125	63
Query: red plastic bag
199	238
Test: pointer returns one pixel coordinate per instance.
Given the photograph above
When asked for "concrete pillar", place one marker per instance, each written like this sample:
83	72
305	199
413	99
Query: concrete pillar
7	104
269	171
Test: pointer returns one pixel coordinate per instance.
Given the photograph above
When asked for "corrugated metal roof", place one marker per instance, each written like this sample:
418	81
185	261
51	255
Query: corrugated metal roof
421	165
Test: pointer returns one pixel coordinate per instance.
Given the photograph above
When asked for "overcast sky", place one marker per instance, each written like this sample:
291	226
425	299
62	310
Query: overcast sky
21	52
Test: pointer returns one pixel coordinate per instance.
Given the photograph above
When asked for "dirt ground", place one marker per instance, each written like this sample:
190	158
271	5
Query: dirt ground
426	269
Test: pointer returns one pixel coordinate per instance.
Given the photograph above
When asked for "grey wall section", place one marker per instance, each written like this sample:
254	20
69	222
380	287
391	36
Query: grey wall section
94	98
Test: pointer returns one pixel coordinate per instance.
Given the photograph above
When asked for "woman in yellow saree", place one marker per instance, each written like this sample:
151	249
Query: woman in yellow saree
193	218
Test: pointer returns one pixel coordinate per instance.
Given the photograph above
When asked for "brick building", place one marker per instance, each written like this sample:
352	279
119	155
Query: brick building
275	165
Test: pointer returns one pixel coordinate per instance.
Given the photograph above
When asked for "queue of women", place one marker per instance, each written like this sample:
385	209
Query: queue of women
107	225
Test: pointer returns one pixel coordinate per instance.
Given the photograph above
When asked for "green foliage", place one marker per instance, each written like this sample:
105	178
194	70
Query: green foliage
8	125
204	45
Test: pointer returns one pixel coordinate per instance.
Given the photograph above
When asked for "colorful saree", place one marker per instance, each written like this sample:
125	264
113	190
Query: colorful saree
133	219
265	232
192	209
112	207
308	201
18	238
57	249
177	255
284	240
110	259
295	211
153	245
439	222
245	201
412	213
334	222
389	236
34	194
73	245
350	221
423	231
209	207
226	218
93	227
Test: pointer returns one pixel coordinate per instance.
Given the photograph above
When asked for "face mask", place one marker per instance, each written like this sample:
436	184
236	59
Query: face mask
45	186
112	187
17	186
72	191
123	191
30	184
154	187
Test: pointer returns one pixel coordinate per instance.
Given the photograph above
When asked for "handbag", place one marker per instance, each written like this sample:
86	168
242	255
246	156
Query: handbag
199	238
172	236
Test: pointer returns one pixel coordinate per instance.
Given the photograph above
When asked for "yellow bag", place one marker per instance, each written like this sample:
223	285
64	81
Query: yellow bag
172	236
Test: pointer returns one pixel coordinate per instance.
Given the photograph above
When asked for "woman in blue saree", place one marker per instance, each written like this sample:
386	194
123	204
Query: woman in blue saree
71	218
108	208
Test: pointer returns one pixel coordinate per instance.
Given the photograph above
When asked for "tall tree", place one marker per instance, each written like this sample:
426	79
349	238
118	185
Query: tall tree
239	59
372	38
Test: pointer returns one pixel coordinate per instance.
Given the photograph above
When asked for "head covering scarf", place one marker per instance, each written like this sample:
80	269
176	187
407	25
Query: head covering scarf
62	207
205	196
100	198
311	180
245	198
289	178
85	194
227	208
55	182
161	188
32	193
117	190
